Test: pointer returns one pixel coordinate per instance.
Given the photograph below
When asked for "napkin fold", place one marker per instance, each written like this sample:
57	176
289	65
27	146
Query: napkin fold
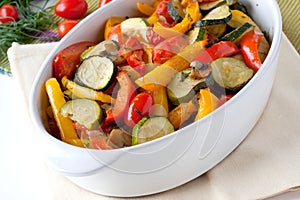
266	163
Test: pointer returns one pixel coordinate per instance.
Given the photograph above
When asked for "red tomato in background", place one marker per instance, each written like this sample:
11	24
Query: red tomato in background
66	26
139	107
103	2
66	61
71	9
8	13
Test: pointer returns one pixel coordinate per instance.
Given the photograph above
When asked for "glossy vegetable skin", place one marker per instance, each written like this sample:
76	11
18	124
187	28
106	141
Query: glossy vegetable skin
66	61
71	9
218	50
249	47
124	96
56	98
65	26
8	13
139	107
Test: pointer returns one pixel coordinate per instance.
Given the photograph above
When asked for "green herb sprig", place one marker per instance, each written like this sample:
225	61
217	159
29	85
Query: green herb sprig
33	22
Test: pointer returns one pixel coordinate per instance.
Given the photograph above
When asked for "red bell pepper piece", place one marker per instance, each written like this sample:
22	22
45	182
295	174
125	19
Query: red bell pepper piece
124	95
249	48
218	50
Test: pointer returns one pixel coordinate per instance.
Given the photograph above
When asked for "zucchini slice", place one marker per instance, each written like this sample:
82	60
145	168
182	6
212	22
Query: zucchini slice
196	34
175	10
148	129
183	88
84	111
236	35
210	5
219	15
231	73
136	27
95	72
106	48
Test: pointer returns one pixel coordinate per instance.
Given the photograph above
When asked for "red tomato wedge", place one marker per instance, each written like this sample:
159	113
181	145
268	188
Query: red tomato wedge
139	107
66	61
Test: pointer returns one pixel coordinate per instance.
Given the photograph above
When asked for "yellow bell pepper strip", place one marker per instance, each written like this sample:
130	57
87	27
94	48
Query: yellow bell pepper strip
208	102
56	98
83	92
111	22
163	74
181	113
192	16
160	107
145	8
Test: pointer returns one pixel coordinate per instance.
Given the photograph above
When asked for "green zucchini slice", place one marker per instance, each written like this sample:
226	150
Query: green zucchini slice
236	35
84	111
231	73
148	129
95	72
175	10
196	34
106	48
183	88
219	15
214	4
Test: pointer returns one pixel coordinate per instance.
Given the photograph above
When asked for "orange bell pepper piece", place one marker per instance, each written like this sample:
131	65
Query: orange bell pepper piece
208	102
192	16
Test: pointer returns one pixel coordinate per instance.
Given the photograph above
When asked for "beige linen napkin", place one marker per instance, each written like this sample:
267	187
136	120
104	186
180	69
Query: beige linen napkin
266	163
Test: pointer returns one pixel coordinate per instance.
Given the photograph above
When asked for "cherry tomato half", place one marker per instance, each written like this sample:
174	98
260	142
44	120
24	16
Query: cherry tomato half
66	26
8	13
71	9
66	61
139	107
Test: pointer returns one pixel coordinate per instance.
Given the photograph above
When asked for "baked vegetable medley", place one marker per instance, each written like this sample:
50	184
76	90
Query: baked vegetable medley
154	74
